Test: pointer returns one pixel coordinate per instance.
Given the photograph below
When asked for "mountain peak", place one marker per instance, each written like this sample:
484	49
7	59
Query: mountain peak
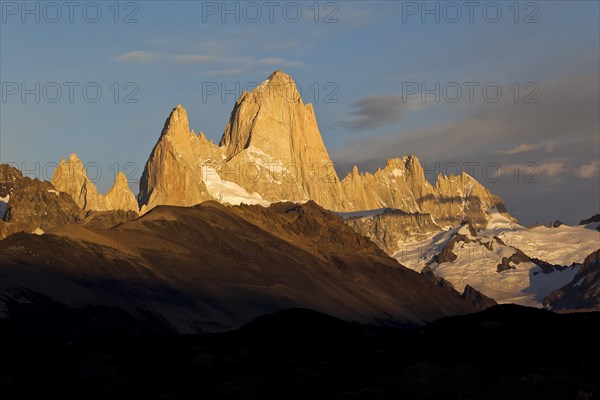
272	148
70	177
73	157
120	196
121	179
177	123
279	75
278	88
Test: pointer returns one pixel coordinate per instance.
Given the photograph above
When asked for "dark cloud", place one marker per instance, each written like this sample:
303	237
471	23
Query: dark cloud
558	136
376	111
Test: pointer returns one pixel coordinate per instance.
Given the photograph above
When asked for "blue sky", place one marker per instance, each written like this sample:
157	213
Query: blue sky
362	61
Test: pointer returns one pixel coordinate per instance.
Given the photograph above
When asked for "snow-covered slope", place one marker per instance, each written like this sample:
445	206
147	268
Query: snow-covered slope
563	245
229	192
506	261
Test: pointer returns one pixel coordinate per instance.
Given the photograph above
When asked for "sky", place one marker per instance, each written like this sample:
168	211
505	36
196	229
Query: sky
507	92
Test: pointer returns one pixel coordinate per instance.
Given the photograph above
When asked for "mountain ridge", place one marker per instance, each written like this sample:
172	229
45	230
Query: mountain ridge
271	150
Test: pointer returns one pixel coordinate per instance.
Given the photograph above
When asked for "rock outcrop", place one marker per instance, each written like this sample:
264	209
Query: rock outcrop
583	293
477	299
592	222
271	150
273	146
402	184
120	196
70	177
391	226
35	206
173	174
32	205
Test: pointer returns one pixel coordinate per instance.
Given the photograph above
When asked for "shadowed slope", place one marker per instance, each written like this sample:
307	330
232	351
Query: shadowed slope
212	267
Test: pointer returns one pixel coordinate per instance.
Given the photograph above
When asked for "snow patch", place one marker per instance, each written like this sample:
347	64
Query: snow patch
53	191
38	231
478	259
397	172
229	192
264	160
415	255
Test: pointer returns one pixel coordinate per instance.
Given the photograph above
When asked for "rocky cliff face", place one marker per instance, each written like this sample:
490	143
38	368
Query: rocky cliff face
120	196
583	293
390	226
32	205
402	184
273	144
70	177
35	206
173	174
271	150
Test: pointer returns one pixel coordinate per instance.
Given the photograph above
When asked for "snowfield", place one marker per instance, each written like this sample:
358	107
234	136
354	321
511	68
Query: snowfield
229	192
478	257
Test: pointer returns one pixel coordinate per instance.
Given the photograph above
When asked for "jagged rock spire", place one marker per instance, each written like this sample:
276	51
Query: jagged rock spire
70	177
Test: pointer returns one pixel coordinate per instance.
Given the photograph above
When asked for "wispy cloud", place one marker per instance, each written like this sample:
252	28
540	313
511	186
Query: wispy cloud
229	65
484	131
588	170
147	57
552	169
137	57
376	111
526	148
251	66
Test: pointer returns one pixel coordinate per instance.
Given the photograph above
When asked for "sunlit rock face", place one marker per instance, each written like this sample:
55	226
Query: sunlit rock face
173	174
30	205
70	177
272	142
271	151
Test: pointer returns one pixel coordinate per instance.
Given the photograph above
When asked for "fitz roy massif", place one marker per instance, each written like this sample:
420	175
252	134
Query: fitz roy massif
262	222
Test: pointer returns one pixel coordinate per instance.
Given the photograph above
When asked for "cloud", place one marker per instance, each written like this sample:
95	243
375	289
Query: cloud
138	57
376	111
146	57
552	169
246	65
588	170
564	122
526	148
231	65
